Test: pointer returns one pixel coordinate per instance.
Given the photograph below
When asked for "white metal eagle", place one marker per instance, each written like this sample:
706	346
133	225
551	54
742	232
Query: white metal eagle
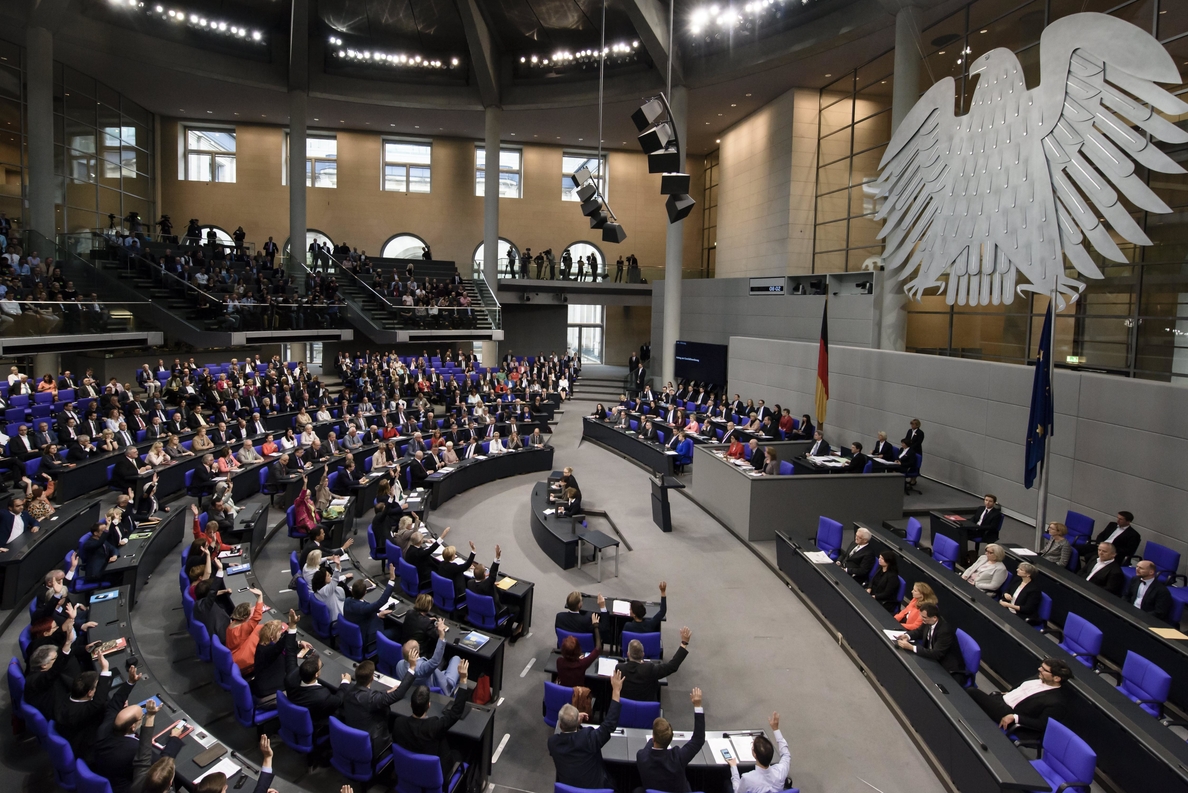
1026	177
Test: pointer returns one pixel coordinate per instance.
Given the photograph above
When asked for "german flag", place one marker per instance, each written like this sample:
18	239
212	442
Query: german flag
823	368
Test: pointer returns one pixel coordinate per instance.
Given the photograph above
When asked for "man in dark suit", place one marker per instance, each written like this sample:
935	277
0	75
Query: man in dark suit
91	707
176	426
1145	591
640	622
573	619
97	551
1123	536
641	679
1027	707
322	700
368	615
367	710
935	639
14	521
484	582
858	460
1106	572
663	768
120	753
278	472
819	448
127	470
577	753
989	518
424	734
860	557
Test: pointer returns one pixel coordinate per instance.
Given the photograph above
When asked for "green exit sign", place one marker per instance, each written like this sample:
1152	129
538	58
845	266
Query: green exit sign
1074	359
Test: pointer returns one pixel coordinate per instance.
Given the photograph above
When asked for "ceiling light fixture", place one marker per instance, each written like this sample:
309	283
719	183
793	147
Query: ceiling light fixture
620	52
192	20
730	16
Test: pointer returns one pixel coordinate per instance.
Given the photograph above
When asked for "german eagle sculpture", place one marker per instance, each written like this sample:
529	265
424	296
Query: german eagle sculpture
1026	177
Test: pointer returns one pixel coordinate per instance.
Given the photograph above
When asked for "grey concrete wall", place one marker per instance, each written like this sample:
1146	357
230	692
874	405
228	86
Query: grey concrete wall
1118	443
715	309
529	329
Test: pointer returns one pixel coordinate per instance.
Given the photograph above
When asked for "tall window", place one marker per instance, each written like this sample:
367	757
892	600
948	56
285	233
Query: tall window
406	166
709	216
511	163
210	155
321	161
119	154
585	334
571	163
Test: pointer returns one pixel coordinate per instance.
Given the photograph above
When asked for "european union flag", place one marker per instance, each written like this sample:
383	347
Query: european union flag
1039	423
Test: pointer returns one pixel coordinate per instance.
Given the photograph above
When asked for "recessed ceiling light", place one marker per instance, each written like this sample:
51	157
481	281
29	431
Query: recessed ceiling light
829	75
733	104
719	140
210	111
707	123
513	133
719	115
415	126
748	94
391	125
942	52
237	114
581	138
263	115
983	30
340	121
315	119
536	136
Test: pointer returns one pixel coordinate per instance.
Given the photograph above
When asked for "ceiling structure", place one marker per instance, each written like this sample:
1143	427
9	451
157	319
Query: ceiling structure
428	66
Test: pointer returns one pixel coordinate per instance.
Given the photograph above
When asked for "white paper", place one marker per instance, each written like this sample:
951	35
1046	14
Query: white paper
225	765
1023	552
742	748
384	680
621	607
606	667
204	738
716	746
895	634
339	502
670	451
549	511
818	557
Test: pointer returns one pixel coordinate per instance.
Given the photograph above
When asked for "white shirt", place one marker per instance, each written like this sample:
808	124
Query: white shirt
1025	690
1100	564
764	780
1142	590
1116	533
18	527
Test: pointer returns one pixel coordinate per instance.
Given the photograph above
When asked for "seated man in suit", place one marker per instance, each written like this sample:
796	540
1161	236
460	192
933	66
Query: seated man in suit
116	754
577	753
368	615
1145	591
858	460
819	448
484	582
14	522
278	472
421	733
859	558
1106	572
640	622
420	555
767	776
370	711
573	619
128	469
91	707
97	552
641	679
663	768
1121	534
935	639
648	432
1028	706
306	690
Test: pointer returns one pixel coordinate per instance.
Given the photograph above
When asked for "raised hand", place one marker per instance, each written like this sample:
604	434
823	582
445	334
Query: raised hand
594	619
616	683
266	750
686	634
774	721
601	602
194	509
695	697
472	548
463	672
663	588
498	552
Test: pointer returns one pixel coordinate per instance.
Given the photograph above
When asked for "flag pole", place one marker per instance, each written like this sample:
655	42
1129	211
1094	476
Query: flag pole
1041	515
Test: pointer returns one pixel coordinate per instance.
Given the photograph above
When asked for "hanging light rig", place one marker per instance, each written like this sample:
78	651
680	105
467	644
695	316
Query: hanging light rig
658	139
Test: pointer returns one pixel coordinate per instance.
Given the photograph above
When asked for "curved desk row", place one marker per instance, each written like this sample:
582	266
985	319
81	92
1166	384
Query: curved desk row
650	454
755	506
557	535
34	554
1133	749
968	746
466	474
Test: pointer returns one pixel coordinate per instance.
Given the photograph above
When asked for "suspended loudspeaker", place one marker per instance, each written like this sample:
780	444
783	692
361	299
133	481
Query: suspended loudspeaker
613	232
646	116
667	161
589	190
674	183
679	207
598	220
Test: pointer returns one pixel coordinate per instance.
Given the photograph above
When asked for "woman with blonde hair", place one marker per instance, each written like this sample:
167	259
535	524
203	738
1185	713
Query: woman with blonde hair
988	573
156	455
202	441
107	442
175	450
1057	548
910	615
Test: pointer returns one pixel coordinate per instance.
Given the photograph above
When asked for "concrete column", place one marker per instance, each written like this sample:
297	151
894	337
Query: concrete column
491	117
674	250
46	363
40	217
905	92
297	222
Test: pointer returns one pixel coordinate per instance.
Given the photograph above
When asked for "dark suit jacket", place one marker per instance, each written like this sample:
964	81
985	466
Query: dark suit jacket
274	664
1157	599
991	523
641	679
575	622
884	589
113	758
367	710
664	769
822	450
857	463
81	723
126	473
455	572
429	735
577	755
6	520
648	624
915	439
322	701
1034	711
1110	578
363	614
1127	543
884	449
859	563
941	647
1029	603
423	628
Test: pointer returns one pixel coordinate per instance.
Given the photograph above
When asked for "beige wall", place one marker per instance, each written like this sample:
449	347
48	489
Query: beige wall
767	181
627	328
450	217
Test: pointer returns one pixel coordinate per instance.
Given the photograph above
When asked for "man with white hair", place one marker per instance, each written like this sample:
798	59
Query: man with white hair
859	558
577	753
642	678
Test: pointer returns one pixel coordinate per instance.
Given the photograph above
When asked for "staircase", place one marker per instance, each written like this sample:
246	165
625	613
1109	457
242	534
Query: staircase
601	384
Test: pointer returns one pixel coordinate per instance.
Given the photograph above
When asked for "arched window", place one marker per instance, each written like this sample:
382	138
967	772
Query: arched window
403	246
585	250
507	250
313	235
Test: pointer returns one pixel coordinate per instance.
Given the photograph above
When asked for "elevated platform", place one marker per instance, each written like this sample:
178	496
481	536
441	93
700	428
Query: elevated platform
515	290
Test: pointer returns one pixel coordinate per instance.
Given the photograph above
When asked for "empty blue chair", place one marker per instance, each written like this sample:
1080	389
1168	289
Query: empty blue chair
351	753
350	640
1145	683
747	452
291	523
901	591
33	720
585	640
633	424
410	580
303	597
1082	639
88	780
388	654
786	468
1067	763
66	395
480	611
392	552
16	681
421	773
555	698
201	639
222	663
1074	560
829	536
372	551
32	467
1044	613
638	714
270	489
294	564
62	757
1166	562
188	606
945	550
971	653
914	532
650	642
443	592
24	639
1080	528
246	712
323	626
1179	599
296	725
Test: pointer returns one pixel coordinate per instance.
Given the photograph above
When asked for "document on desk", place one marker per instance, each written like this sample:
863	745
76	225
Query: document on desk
1023	552
384	680
621	608
339	502
719	745
670	451
606	667
818	557
549	511
894	635
742	747
226	766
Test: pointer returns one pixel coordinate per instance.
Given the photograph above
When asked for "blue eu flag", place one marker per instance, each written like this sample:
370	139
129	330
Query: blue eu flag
1039	423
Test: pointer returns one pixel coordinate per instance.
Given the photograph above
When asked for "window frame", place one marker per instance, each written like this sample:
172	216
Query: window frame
481	180
185	152
408	166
